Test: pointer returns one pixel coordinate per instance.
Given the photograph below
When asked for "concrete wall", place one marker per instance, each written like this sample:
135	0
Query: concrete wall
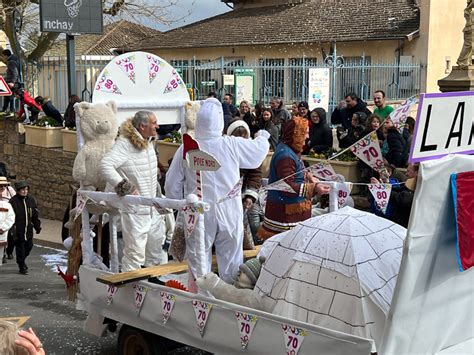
49	171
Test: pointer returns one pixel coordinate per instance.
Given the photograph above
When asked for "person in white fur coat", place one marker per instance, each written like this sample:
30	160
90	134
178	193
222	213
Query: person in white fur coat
131	168
223	222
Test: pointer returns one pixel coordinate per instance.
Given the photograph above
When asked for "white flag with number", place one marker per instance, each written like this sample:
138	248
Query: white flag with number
381	193
368	150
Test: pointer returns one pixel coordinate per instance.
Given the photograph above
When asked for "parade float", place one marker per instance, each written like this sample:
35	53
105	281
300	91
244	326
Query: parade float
423	310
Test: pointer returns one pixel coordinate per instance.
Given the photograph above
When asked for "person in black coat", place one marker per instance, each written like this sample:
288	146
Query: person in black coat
49	109
320	134
343	115
26	219
70	114
396	145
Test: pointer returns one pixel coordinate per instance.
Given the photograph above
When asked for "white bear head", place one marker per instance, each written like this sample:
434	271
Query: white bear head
98	121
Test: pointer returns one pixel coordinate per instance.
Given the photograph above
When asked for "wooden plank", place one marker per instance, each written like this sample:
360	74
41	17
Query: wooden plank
160	270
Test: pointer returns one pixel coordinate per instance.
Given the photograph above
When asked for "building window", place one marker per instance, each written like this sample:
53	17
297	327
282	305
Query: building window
298	78
272	78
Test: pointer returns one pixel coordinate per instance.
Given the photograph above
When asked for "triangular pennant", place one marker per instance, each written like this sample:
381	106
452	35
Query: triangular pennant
110	293
128	67
191	216
139	296
343	192
154	67
400	114
161	210
246	323
173	83
81	201
280	186
167	303
323	170
381	193
236	190
202	311
293	338
368	150
106	84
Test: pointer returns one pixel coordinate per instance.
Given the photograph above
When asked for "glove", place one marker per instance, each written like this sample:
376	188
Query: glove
262	133
38	230
124	187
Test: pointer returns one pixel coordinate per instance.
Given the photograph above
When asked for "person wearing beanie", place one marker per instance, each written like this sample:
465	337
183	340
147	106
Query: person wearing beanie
223	225
251	269
26	219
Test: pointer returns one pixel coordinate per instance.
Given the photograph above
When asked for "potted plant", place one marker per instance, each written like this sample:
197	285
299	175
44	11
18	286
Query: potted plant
44	133
168	146
69	138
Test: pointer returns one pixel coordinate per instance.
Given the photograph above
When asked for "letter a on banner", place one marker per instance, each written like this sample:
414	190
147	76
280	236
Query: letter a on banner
246	323
367	149
167	303
293	338
202	311
381	193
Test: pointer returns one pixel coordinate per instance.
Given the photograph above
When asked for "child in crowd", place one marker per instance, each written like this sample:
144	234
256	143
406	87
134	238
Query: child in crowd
33	108
26	219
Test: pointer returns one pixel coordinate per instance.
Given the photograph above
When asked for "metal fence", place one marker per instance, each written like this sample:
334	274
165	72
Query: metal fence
286	78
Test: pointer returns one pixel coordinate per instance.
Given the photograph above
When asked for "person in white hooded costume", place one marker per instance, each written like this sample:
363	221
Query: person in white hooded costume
223	222
131	168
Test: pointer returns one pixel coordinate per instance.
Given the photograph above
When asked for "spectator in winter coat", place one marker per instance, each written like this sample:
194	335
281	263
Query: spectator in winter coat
70	114
49	109
228	99
343	115
26	219
396	144
348	137
12	78
303	111
280	113
320	134
407	135
267	124
294	109
33	107
253	118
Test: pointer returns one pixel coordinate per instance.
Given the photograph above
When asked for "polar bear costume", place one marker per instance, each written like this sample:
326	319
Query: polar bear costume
223	222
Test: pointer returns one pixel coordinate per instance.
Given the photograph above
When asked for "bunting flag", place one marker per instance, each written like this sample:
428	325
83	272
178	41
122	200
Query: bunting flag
191	216
81	201
139	296
167	303
161	210
400	114
462	186
323	170
246	323
154	66
293	338
236	190
110	293
368	150
174	83
280	186
381	193
202	311
127	66
343	192
106	84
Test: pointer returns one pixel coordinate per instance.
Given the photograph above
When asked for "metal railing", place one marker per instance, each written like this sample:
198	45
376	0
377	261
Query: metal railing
287	78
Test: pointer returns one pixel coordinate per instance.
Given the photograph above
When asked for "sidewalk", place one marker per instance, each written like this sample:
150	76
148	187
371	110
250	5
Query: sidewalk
50	235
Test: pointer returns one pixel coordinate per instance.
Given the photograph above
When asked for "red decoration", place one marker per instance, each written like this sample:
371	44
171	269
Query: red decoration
176	284
69	279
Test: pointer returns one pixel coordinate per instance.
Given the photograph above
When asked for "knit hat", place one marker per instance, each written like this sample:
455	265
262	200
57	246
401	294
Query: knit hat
236	124
4	181
21	184
252	268
303	104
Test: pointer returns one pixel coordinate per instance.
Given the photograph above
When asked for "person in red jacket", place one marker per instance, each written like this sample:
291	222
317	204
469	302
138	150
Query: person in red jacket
33	107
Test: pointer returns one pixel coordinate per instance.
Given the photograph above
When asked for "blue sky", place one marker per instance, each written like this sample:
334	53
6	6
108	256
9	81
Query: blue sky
199	9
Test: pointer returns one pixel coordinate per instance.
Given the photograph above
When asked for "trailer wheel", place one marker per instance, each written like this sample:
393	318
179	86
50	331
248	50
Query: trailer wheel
133	341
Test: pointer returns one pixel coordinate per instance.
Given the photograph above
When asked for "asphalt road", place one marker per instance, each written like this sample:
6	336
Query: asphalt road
42	296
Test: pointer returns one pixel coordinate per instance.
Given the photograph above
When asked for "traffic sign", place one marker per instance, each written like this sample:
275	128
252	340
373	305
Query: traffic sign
4	88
